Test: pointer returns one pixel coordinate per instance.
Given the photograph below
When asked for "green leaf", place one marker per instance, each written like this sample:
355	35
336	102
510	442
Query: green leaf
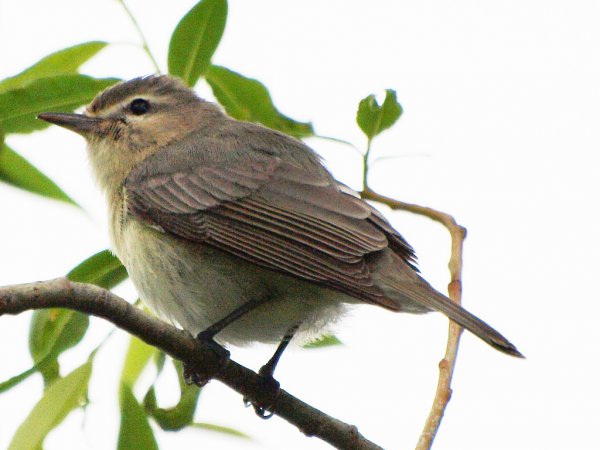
13	381
62	62
55	330
138	356
160	358
102	269
373	119
52	331
248	99
178	416
39	367
61	397
63	93
135	432
220	429
17	171
195	39
327	340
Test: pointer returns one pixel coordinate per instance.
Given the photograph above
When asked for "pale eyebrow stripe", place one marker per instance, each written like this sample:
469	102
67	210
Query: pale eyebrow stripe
118	106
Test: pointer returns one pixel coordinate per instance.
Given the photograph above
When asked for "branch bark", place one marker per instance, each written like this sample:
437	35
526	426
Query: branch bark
446	365
90	299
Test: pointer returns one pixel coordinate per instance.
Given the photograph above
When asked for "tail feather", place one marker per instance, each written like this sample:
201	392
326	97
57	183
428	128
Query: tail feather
429	297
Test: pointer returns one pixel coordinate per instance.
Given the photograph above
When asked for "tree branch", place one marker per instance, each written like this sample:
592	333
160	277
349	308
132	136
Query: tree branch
448	362
90	299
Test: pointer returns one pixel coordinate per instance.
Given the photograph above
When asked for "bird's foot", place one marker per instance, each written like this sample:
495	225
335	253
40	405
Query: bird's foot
271	387
201	378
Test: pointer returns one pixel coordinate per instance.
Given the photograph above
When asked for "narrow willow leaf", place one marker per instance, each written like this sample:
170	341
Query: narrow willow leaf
62	93
138	356
327	340
373	118
61	397
195	39
248	99
135	432
62	62
39	367
53	331
180	415
17	171
13	381
160	358
220	429
102	269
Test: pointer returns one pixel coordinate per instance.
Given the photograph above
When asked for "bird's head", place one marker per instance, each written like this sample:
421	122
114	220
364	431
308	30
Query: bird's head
132	120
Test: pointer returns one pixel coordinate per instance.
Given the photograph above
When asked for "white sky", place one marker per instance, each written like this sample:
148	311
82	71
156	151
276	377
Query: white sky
500	129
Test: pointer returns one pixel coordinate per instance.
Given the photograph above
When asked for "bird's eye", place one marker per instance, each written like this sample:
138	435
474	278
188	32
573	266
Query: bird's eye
139	106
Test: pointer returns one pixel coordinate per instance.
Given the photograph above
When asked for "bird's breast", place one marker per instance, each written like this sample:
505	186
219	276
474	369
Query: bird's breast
195	285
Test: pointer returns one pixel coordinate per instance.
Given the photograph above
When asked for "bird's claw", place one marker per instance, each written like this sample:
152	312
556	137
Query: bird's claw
201	378
271	386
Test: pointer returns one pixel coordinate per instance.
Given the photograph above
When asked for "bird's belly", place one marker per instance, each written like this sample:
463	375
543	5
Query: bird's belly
196	285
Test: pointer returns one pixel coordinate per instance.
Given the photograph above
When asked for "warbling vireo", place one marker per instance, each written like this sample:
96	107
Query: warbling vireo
229	227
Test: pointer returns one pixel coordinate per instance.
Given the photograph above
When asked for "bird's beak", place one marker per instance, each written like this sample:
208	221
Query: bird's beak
78	123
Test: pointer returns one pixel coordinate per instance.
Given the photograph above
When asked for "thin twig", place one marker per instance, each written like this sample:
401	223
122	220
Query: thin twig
90	299
447	364
365	166
140	33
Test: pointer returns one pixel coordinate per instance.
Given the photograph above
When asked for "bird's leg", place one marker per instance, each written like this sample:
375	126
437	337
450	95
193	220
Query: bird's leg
209	333
269	368
267	371
206	337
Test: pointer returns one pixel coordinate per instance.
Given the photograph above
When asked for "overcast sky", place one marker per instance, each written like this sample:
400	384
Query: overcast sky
500	128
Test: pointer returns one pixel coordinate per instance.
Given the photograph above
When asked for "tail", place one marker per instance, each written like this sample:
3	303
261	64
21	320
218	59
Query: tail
425	295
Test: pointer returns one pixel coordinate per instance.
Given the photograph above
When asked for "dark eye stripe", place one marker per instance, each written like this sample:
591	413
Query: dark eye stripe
139	106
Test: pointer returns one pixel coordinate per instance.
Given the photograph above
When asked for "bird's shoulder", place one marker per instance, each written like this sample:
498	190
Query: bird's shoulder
230	143
228	162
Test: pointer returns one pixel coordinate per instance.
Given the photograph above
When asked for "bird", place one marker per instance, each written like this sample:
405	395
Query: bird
237	232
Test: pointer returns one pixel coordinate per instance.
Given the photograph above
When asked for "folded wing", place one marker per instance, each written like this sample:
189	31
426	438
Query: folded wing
271	212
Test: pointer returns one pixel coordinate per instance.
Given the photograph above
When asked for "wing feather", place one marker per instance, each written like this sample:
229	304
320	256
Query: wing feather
288	216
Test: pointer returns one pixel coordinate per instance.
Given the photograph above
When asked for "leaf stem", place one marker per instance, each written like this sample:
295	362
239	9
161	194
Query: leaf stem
366	164
140	34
